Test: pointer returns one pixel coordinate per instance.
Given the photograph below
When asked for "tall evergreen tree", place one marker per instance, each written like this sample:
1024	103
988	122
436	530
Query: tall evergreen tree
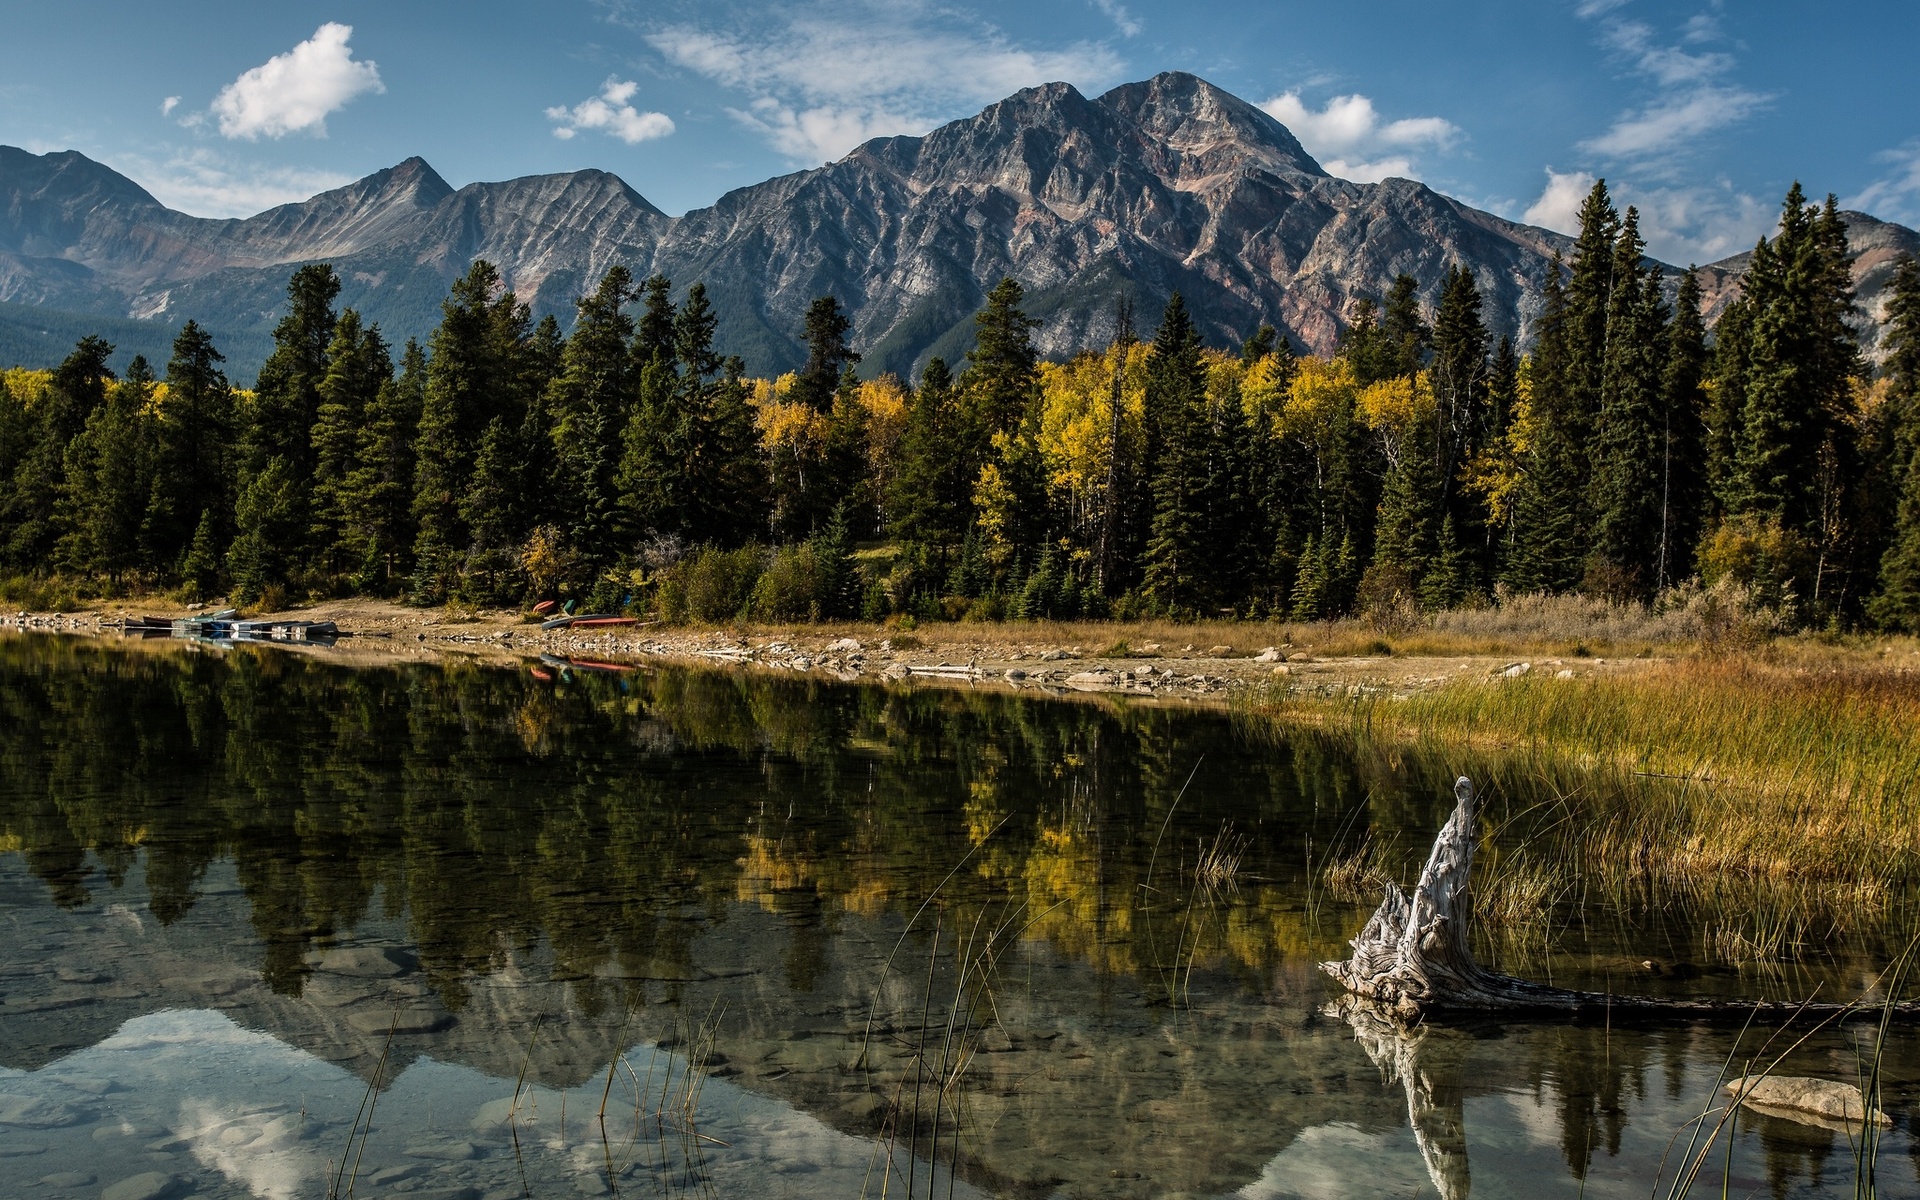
1549	518
77	390
1794	460
474	376
1896	604
1626	482
193	476
828	355
932	491
1682	446
358	366
590	403
287	397
1463	423
377	501
1177	566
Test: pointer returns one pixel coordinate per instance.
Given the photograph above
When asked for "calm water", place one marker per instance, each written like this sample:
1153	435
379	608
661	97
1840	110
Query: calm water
275	927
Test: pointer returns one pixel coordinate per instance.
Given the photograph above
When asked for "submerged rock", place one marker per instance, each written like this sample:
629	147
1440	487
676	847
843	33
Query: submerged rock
35	1112
148	1185
1800	1097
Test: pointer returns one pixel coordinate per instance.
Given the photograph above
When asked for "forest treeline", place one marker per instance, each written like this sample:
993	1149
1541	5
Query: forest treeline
630	464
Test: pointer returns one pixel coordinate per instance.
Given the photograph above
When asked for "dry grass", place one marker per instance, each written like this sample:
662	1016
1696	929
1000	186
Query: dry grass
1740	782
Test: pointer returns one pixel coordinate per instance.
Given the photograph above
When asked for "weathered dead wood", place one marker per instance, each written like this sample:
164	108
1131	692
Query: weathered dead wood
1412	959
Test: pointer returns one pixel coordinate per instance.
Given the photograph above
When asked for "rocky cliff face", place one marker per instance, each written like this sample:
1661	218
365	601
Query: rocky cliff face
1169	184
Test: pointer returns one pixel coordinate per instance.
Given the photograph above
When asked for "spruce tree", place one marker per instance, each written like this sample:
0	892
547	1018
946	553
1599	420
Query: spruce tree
1682	445
1549	516
1896	604
193	475
475	374
931	491
1626	485
268	518
287	396
358	366
1463	423
77	390
377	501
590	403
106	478
828	355
1177	564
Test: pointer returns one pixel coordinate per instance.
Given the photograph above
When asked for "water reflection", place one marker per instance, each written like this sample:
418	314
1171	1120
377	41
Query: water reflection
488	878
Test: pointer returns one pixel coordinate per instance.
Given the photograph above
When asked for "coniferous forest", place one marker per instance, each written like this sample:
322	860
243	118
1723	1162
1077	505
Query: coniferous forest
1628	452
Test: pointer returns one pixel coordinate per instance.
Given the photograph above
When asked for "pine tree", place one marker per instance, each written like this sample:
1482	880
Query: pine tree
999	390
1549	547
200	566
590	403
1403	331
377	501
1450	577
828	355
1896	605
105	481
358	366
1000	381
1795	463
1177	549
287	396
268	519
193	476
77	390
475	374
1626	492
931	489
1463	424
1682	444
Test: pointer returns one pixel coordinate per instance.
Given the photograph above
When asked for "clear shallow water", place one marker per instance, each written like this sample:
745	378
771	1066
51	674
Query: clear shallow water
235	889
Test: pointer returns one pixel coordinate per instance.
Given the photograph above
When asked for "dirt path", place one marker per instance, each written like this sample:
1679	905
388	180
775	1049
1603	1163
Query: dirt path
952	655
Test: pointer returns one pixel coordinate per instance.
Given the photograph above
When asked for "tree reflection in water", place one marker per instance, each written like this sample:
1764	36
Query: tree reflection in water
627	833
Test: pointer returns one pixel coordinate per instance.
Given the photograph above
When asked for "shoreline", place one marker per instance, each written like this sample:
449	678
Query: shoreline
1020	658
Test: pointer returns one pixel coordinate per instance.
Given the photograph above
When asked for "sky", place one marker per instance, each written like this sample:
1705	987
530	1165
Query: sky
1700	113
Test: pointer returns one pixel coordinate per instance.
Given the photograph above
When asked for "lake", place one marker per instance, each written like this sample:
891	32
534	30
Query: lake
275	926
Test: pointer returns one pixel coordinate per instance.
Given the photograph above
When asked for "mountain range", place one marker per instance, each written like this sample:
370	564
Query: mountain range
1168	184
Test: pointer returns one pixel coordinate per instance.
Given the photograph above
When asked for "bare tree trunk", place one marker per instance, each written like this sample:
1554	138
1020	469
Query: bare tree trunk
1412	959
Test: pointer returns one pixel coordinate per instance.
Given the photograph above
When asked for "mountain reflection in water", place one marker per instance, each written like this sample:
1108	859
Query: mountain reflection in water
295	869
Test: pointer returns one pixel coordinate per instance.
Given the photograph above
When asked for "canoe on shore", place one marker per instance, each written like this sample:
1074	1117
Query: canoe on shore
601	620
557	623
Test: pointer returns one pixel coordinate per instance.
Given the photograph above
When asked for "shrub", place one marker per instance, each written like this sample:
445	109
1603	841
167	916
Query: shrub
709	584
793	587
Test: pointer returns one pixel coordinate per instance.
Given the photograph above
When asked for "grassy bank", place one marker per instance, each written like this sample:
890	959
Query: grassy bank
1778	790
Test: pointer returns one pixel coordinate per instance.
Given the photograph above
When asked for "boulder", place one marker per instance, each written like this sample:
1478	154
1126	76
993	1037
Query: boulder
1800	1097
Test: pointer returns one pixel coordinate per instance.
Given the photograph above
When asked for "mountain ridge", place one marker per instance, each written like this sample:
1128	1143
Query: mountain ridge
1166	184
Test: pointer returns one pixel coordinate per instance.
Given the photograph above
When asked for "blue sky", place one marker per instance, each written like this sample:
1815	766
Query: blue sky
1701	113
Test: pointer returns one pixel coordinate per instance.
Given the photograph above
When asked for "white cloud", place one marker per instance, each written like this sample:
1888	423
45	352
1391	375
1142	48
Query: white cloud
1683	224
822	79
1895	196
612	111
1686	104
207	184
1351	141
1672	122
295	91
168	105
1124	21
1669	65
1558	207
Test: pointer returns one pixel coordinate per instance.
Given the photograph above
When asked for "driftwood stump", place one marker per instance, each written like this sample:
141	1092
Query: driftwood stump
1413	957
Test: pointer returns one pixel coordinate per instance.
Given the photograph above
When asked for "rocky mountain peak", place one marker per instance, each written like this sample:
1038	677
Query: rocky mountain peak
1209	124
